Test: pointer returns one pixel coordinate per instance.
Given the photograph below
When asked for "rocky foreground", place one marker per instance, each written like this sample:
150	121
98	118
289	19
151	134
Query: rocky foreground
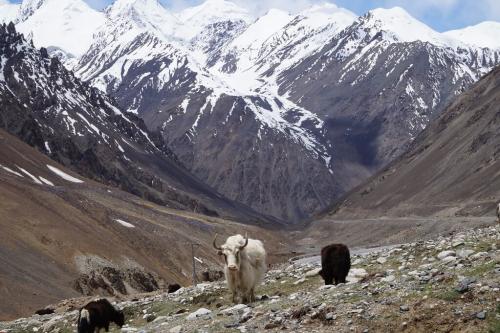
449	284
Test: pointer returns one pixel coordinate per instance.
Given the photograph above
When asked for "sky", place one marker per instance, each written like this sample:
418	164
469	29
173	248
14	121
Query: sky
441	15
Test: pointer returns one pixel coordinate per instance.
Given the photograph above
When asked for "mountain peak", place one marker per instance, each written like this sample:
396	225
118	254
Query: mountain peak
326	8
321	15
123	4
216	9
393	12
196	18
400	26
145	14
65	24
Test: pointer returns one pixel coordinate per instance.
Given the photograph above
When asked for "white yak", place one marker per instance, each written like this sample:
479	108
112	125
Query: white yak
245	265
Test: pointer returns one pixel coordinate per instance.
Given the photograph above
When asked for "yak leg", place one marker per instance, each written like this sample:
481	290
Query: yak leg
244	298
252	295
235	297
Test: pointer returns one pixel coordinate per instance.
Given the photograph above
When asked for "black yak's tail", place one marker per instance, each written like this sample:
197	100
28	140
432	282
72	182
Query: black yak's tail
84	321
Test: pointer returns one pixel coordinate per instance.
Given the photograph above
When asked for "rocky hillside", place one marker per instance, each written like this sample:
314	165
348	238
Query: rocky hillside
46	106
446	284
451	169
64	235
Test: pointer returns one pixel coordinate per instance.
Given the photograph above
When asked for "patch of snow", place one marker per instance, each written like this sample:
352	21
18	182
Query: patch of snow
35	179
125	224
46	181
11	171
64	175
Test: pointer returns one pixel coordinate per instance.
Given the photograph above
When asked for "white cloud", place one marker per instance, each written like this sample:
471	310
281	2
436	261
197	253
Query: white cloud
421	7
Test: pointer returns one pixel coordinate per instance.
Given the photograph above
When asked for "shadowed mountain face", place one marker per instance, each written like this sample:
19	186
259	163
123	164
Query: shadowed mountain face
451	169
46	106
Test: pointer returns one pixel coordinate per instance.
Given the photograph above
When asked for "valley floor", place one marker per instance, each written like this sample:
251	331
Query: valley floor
448	283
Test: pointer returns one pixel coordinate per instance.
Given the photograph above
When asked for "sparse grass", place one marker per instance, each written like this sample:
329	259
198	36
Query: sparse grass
482	269
448	295
494	322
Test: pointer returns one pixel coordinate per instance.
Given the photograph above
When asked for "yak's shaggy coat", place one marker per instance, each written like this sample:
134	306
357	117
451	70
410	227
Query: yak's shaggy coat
245	266
99	314
335	263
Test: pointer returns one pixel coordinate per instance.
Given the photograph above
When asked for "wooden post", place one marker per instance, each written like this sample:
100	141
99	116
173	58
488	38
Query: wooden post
195	280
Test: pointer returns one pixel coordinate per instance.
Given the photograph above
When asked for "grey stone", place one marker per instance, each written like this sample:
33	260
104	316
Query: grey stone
481	315
404	308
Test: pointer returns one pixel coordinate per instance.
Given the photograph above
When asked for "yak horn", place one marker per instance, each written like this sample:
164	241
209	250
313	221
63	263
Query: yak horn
215	243
246	241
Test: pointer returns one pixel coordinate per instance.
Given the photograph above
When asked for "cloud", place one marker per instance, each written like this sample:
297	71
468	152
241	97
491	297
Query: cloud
424	7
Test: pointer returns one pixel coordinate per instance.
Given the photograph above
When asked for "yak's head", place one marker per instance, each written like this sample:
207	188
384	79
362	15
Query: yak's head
119	318
231	250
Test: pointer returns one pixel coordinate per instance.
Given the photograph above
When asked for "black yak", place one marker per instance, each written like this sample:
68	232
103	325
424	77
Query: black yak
498	212
97	315
172	288
335	263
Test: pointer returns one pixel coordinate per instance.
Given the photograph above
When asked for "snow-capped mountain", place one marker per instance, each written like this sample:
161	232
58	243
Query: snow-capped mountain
283	112
64	24
165	82
195	19
82	128
389	75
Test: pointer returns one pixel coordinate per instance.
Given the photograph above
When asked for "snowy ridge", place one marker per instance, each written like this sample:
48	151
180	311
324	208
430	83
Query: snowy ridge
402	27
194	19
484	34
65	24
71	107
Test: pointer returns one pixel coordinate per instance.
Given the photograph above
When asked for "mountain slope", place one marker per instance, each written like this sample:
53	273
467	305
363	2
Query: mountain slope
451	169
62	24
65	236
379	82
79	126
